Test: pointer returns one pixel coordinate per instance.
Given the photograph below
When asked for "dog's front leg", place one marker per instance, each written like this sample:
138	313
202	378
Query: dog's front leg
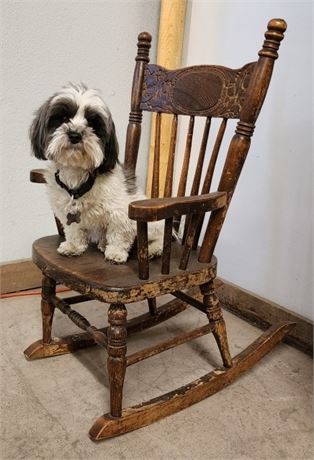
76	241
120	238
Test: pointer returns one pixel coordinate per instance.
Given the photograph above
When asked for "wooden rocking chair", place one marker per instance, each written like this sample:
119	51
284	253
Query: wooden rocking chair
205	91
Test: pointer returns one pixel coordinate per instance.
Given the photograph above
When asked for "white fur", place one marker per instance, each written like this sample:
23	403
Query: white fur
104	208
104	216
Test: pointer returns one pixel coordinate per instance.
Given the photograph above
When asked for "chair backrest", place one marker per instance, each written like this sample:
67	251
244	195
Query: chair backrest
201	91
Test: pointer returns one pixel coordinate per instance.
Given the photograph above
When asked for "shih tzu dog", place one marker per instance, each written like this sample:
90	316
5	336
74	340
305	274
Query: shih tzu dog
88	189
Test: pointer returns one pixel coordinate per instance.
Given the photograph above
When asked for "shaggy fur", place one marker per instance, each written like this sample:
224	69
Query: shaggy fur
75	131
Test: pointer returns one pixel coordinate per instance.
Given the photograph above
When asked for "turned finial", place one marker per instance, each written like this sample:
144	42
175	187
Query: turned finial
274	35
143	46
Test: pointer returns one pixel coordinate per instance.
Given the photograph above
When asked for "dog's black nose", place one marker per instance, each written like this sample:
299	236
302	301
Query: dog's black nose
74	137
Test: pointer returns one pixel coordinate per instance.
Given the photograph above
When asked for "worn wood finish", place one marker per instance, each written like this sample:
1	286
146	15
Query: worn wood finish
200	161
215	318
166	254
250	307
211	91
142	250
135	118
214	156
171	156
80	321
188	239
198	172
37	176
48	290
116	362
168	344
146	413
71	343
208	91
165	208
194	302
240	143
209	174
152	306
186	158
156	169
118	283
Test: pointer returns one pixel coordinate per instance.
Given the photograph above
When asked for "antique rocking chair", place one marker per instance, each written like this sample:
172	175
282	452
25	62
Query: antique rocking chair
205	91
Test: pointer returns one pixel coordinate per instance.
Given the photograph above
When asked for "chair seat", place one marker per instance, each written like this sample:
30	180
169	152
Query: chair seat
90	273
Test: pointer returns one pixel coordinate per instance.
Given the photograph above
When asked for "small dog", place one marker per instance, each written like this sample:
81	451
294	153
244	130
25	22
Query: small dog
88	189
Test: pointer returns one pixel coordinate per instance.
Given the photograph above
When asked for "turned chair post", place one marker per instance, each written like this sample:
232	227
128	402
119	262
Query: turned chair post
241	140
47	307
133	135
215	317
116	362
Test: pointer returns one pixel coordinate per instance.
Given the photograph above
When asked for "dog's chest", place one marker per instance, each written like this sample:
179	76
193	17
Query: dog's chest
96	207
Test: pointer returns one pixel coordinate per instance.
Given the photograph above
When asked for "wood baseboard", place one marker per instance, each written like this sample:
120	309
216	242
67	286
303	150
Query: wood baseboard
264	313
19	276
23	275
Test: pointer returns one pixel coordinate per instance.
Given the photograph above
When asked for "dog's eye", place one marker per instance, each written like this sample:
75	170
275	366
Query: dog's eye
57	120
95	122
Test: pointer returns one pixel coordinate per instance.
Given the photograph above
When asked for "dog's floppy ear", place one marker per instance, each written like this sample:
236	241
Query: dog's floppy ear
38	131
111	151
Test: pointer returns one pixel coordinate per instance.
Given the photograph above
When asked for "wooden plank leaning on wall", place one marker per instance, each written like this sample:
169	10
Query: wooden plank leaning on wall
169	54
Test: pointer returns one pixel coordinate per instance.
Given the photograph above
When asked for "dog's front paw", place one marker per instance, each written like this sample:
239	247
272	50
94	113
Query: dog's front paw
155	249
116	255
69	249
102	246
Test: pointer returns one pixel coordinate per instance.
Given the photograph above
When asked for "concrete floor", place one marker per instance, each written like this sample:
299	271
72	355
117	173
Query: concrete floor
49	405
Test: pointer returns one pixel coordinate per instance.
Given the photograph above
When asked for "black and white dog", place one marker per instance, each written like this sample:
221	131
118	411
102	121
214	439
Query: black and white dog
88	189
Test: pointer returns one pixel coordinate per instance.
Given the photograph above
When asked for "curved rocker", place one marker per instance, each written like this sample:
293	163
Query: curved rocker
146	413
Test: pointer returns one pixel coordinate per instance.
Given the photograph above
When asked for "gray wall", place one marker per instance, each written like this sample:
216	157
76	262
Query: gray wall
266	245
45	44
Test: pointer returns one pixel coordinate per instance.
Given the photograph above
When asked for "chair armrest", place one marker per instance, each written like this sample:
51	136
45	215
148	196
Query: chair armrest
37	176
164	208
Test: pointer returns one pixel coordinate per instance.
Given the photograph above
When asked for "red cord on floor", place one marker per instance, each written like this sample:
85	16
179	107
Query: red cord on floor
29	293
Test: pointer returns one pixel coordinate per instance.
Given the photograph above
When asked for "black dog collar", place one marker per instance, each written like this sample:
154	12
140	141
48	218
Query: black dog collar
81	190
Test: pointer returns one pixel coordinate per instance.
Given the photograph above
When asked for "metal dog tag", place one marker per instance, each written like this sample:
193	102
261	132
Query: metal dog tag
73	218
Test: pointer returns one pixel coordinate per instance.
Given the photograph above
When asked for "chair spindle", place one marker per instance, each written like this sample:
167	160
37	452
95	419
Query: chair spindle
188	240
165	262
210	173
185	166
214	156
156	166
200	162
186	159
172	148
198	172
142	250
152	305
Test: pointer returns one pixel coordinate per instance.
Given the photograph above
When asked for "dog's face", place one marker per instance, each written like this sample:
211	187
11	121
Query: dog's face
74	128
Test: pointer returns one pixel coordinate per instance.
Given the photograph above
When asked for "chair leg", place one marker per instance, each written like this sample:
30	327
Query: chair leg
47	309
152	305
215	317
116	363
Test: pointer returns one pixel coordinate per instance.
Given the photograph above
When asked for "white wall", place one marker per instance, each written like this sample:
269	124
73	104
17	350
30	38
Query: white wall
45	44
266	243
